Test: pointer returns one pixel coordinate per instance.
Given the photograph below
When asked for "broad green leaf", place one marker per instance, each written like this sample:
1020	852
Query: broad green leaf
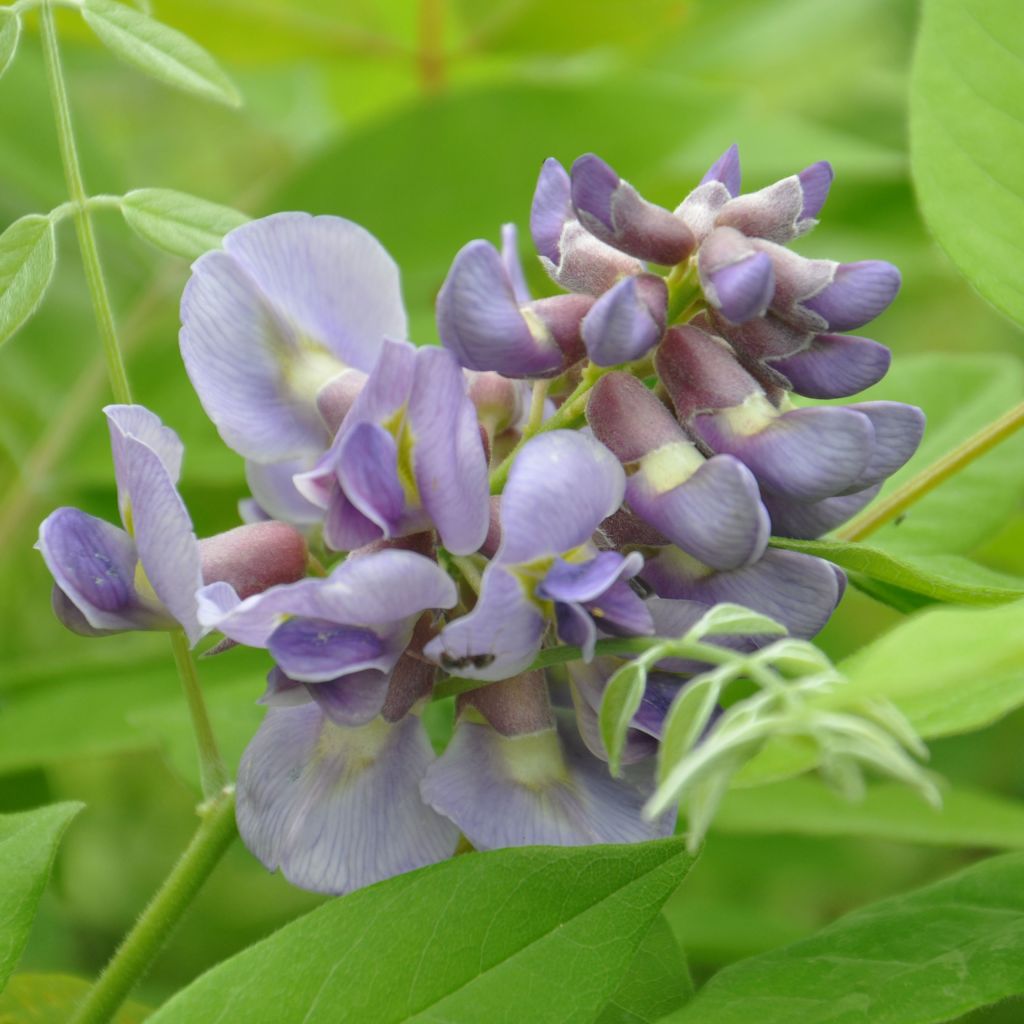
27	259
968	817
159	51
735	620
51	998
939	577
967	140
948	670
177	222
917	959
542	935
10	33
656	982
28	845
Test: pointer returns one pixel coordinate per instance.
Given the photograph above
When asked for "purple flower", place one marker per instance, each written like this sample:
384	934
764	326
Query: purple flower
407	457
288	304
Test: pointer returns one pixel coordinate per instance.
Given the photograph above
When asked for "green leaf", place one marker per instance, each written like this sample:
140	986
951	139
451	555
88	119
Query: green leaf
51	998
967	140
657	981
28	845
159	51
27	259
968	817
734	620
948	670
940	577
10	33
543	935
621	700
917	959
689	714
177	222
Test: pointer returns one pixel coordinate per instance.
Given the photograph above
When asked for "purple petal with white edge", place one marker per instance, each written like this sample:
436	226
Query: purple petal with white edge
273	487
699	210
835	366
367	471
586	581
145	426
282	692
328	276
551	208
498	638
726	169
585	264
354	699
772	213
70	616
338	808
715	514
808	521
245	362
542	788
795	589
805	454
93	565
858	293
513	265
621	326
317	650
743	290
480	322
898	431
815	181
576	627
561	486
449	462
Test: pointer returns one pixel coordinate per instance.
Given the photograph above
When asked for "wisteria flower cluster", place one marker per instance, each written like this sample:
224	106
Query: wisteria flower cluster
605	462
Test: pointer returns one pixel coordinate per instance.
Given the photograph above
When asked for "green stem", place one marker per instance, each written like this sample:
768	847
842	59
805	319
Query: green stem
142	944
83	222
212	773
937	473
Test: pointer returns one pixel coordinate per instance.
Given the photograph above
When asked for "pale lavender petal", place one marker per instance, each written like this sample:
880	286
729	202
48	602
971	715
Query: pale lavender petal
716	514
726	169
808	521
145	426
586	581
561	486
620	611
551	208
743	290
858	293
282	692
273	487
345	527
898	431
249	511
317	650
815	181
576	627
338	808
367	470
336	398
538	789
480	322
448	457
835	366
622	325
513	265
354	699
498	638
806	454
252	621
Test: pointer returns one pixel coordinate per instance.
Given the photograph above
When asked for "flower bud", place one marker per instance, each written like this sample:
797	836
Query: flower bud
254	558
627	321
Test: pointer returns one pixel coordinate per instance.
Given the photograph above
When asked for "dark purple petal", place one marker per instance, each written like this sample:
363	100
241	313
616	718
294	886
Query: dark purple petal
354	699
498	638
742	290
858	293
622	325
576	627
586	581
815	181
898	431
808	521
282	692
726	169
336	808
620	611
715	514
561	486
367	471
316	650
805	454
551	208
835	366
543	788
480	321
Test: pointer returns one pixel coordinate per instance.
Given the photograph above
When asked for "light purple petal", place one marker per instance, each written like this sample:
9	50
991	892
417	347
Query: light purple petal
858	293
716	514
621	325
480	322
539	789
576	627
743	290
448	457
587	581
498	638
513	265
367	471
561	486
282	692
726	169
354	699
273	487
551	208
317	650
808	521
815	181
338	808
898	431
387	388
835	366
345	527
620	611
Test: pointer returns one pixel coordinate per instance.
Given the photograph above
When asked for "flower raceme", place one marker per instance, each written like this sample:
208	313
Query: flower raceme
639	431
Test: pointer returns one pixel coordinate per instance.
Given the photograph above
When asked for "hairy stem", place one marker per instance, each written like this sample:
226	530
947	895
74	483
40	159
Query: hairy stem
212	773
142	944
83	222
938	472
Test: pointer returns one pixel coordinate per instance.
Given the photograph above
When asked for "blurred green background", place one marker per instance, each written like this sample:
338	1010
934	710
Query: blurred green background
427	123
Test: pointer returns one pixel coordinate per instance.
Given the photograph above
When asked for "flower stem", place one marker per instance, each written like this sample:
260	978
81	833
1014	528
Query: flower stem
142	944
212	773
937	473
83	222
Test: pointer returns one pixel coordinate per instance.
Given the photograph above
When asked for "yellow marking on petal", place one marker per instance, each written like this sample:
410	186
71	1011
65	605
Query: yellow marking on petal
143	587
672	464
752	416
535	760
397	425
306	368
357	748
